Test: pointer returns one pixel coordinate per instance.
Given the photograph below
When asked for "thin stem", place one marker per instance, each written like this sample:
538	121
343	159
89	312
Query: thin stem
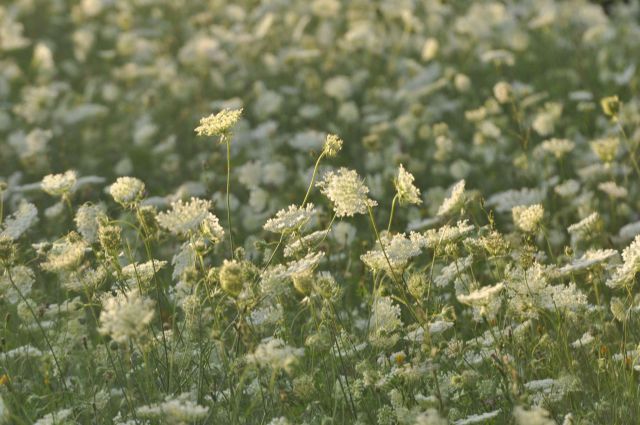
44	334
630	148
384	251
227	142
313	177
393	210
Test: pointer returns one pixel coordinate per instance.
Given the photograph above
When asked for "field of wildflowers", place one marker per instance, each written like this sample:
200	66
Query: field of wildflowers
287	212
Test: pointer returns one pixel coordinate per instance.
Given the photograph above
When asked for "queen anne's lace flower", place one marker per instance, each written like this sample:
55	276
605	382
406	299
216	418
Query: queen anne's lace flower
347	192
625	274
175	410
276	354
125	316
87	220
289	219
399	250
127	191
65	254
332	145
59	184
407	192
481	296
17	223
527	218
186	217
455	201
558	147
219	124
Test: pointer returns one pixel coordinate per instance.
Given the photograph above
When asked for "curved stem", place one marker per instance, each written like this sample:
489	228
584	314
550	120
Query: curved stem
313	177
393	209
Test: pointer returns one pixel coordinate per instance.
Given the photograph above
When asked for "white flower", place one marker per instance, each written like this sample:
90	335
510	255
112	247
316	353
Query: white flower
140	274
407	192
558	147
276	354
385	318
502	91
59	184
536	416
332	145
613	190
527	218
18	222
586	227
186	217
477	418
65	254
127	191
505	201
125	316
20	276
178	410
399	250
87	220
347	192
455	201
588	260
54	418
626	273
481	296
290	219
219	124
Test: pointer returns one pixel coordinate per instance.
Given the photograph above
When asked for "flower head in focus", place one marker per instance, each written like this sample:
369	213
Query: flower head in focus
408	193
219	124
347	192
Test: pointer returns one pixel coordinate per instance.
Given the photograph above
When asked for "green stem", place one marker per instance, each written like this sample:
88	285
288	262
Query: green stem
630	148
313	177
44	334
393	210
227	141
384	251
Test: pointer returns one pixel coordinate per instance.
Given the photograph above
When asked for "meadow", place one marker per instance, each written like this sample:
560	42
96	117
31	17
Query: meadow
319	212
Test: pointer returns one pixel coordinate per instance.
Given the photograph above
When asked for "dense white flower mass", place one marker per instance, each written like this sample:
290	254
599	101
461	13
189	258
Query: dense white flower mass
494	282
347	192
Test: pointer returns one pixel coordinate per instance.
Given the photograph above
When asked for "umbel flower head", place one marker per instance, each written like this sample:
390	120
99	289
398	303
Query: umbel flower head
347	192
125	316
407	192
127	191
59	184
527	218
610	106
186	217
219	124
332	145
